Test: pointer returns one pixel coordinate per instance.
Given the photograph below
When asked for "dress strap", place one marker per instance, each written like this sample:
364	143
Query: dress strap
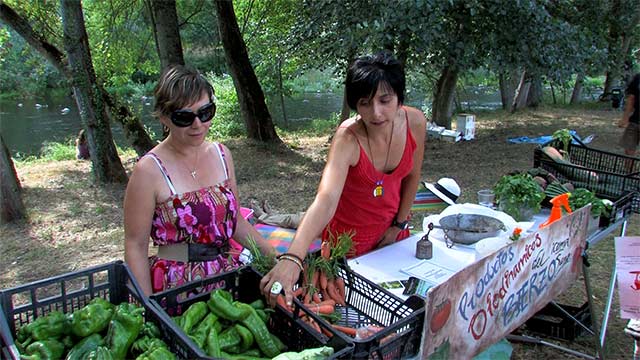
223	159
163	171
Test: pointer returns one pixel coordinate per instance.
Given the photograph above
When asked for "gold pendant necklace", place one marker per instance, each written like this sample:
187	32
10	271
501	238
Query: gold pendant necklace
378	189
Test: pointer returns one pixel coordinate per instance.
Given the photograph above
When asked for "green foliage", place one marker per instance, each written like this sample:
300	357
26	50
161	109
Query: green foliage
564	136
517	192
227	122
54	151
581	197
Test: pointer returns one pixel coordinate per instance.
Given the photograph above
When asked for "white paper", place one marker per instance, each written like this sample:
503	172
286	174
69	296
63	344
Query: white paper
628	268
429	272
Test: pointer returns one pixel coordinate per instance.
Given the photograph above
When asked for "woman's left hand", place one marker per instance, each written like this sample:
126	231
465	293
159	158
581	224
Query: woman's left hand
389	236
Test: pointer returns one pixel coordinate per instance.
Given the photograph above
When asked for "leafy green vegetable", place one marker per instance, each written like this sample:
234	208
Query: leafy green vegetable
517	193
581	197
564	136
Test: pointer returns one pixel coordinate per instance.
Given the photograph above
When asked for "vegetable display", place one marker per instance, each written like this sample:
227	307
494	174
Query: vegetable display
98	331
225	328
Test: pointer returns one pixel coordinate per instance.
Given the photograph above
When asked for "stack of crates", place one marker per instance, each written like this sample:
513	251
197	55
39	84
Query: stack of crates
610	176
22	305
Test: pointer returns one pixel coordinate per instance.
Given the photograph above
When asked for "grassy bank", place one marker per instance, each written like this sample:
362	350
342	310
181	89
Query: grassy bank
74	224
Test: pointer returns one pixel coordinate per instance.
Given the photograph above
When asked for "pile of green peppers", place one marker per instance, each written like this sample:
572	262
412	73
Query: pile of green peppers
230	329
98	331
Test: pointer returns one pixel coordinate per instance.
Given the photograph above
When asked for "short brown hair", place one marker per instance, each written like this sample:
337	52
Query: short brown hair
178	87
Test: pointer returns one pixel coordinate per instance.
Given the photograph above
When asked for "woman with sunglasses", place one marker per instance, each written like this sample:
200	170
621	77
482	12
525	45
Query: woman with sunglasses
372	171
183	193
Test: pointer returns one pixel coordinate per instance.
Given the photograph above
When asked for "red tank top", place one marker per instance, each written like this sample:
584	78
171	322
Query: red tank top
358	210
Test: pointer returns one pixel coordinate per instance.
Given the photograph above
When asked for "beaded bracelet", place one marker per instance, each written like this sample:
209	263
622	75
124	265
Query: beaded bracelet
293	256
295	260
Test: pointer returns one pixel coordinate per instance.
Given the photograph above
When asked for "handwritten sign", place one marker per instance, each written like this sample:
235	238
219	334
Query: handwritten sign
487	300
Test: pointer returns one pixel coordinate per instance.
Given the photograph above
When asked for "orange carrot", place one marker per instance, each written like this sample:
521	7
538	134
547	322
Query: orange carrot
315	298
326	331
341	289
297	292
315	325
325	250
326	302
282	302
322	279
333	293
345	329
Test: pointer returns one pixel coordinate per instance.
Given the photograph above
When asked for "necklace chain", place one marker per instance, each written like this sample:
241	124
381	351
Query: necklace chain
386	161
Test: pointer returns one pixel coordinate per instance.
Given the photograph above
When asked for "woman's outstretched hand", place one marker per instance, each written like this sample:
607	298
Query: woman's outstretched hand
285	273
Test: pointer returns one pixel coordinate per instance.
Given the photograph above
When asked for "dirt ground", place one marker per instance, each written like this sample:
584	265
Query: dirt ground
74	224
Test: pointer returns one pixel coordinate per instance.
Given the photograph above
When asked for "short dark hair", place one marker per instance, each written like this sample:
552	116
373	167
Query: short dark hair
179	86
367	72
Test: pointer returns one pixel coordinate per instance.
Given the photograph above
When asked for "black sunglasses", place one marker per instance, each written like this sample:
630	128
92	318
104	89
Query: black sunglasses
184	118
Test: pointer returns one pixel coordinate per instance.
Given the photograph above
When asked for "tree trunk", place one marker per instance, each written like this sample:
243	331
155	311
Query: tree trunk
10	199
133	130
509	81
576	95
535	92
166	32
553	93
520	91
253	107
281	91
107	167
443	97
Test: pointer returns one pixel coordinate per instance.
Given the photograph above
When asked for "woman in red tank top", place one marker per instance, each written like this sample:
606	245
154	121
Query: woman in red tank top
372	171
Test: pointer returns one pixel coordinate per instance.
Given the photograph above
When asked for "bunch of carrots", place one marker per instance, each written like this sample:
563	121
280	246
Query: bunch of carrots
322	288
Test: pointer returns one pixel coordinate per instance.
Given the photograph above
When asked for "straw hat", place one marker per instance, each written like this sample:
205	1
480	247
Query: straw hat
446	189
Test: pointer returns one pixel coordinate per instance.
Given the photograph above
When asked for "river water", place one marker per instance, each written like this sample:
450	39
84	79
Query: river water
27	124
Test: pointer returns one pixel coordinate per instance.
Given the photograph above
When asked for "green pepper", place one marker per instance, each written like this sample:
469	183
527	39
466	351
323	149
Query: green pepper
194	314
144	343
124	329
100	353
246	337
201	331
263	315
51	349
260	332
159	353
85	346
93	318
213	343
229	338
257	304
252	352
281	346
52	325
150	329
221	305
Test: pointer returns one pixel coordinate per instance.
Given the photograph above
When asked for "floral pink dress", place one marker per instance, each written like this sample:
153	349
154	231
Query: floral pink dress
206	216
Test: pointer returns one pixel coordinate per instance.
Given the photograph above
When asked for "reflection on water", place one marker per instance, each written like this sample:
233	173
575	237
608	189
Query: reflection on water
26	124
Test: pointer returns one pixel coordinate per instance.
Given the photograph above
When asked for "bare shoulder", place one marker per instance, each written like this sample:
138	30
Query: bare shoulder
416	116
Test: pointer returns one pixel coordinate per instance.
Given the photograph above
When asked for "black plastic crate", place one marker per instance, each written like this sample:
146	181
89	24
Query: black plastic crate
550	321
68	292
244	284
609	175
369	304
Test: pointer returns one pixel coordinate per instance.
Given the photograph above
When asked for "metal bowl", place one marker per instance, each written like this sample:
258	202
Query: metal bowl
468	229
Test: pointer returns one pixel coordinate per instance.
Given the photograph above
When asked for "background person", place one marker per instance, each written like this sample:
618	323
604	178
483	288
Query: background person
183	193
82	146
631	117
371	177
